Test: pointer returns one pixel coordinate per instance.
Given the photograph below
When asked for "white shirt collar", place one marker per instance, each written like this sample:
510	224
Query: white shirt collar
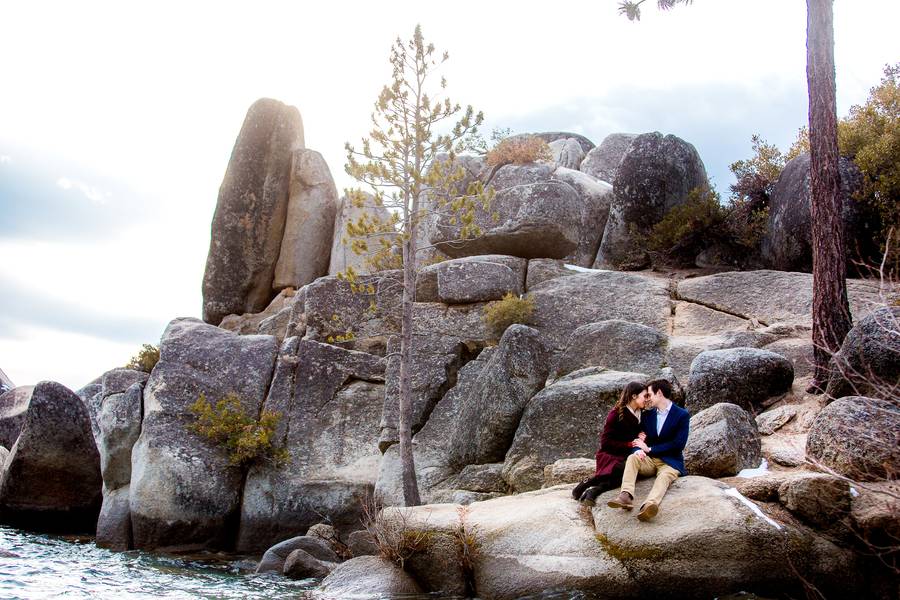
665	411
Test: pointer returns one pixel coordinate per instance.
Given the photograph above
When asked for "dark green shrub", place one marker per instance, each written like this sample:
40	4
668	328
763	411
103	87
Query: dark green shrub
689	228
511	309
246	438
145	359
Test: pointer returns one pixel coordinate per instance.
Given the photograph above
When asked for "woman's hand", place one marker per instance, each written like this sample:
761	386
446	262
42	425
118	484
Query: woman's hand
642	436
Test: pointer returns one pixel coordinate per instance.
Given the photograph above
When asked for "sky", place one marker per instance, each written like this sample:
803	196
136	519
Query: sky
117	120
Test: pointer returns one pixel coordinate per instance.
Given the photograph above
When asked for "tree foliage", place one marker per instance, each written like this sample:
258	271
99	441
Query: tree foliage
510	309
145	359
246	438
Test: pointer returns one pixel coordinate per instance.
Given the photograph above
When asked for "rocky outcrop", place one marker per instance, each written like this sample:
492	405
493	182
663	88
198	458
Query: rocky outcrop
330	402
569	470
549	431
595	200
309	223
655	175
615	345
444	339
742	376
603	161
772	420
857	437
533	220
248	224
366	576
787	243
51	480
723	440
331	309
562	304
471	279
542	540
118	428
553	136
474	423
819	499
13	408
342	254
683	349
184	491
771	296
869	358
732	544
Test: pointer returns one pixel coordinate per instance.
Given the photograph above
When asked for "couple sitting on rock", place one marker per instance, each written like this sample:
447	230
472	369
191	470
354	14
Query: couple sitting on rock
645	434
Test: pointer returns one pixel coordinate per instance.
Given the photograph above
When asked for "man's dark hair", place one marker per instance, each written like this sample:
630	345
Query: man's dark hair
661	385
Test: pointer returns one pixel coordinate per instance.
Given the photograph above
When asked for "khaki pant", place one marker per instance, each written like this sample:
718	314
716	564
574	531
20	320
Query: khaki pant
646	467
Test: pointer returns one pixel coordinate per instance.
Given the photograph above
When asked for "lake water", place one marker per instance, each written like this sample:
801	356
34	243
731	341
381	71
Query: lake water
37	567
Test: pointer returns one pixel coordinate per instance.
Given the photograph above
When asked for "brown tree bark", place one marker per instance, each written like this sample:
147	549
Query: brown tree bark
831	310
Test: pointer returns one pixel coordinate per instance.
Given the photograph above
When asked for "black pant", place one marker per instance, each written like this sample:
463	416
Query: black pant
607	482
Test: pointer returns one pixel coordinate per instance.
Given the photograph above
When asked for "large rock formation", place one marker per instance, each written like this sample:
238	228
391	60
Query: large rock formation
367	576
742	376
51	480
533	220
858	437
603	161
184	490
330	401
616	345
868	362
562	304
771	296
313	202
471	279
119	425
655	175
723	440
248	224
542	540
787	244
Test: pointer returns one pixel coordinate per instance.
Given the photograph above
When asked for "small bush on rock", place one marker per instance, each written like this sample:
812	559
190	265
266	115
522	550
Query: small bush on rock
518	150
689	227
511	309
396	539
246	438
144	360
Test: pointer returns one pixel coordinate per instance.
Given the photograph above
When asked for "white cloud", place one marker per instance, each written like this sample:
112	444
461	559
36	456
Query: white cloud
5	159
92	193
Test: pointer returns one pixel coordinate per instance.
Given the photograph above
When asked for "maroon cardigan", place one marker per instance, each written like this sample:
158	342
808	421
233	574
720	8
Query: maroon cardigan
615	441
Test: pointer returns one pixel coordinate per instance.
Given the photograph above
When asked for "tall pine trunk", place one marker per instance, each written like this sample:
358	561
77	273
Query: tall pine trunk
404	429
831	310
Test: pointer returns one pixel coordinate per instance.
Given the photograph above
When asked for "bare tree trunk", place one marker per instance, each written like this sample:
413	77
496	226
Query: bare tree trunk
831	310
410	484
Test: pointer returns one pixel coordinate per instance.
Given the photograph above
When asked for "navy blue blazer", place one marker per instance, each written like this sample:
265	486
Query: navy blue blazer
668	446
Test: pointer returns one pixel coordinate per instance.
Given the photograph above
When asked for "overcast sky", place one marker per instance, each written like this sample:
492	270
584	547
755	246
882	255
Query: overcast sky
117	120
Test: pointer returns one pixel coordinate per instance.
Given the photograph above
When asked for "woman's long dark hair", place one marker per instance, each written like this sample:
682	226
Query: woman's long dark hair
632	389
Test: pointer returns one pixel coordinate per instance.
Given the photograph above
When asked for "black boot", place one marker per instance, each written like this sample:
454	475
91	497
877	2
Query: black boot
590	495
579	489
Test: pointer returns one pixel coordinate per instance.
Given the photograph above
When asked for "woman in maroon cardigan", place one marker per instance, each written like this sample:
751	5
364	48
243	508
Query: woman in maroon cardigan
622	427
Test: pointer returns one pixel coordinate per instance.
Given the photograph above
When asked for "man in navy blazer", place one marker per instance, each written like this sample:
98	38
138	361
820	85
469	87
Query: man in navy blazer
659	454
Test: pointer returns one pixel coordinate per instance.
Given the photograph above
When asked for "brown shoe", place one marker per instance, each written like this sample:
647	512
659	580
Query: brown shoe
623	500
648	511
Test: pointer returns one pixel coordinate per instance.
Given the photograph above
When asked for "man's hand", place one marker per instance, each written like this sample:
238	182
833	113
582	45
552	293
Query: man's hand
639	443
641	454
642	436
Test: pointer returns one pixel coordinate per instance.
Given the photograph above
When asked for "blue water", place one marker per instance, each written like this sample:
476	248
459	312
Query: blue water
40	566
